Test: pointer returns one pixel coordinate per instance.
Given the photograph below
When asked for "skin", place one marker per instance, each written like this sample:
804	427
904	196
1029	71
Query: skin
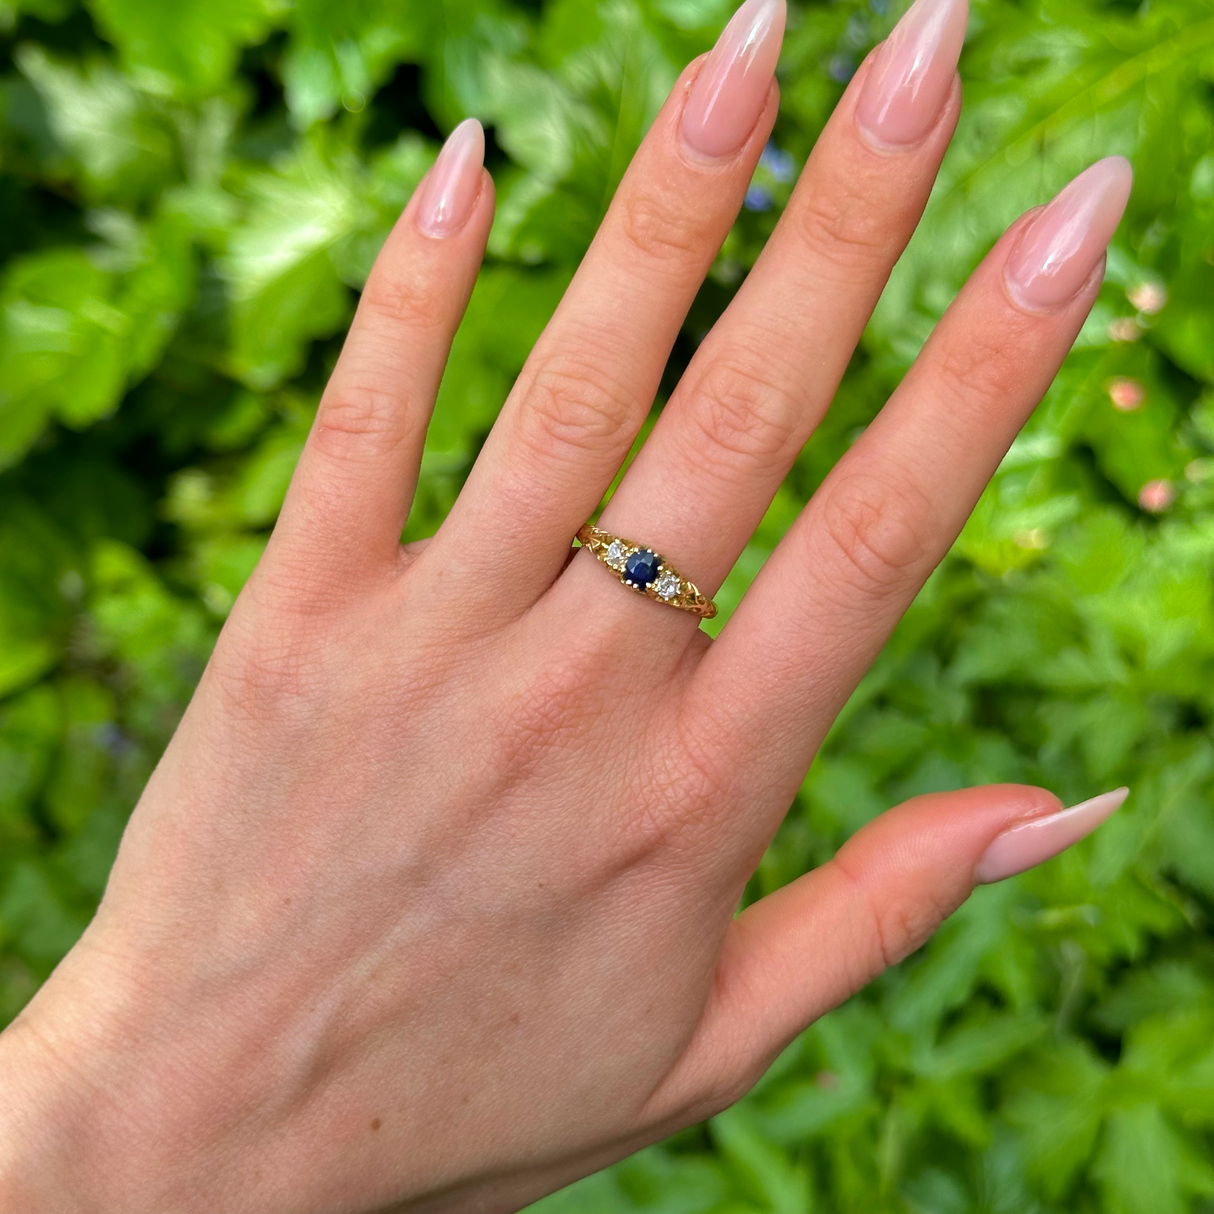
430	904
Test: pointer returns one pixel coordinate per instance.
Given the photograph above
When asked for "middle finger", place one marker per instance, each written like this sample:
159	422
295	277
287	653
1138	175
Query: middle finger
761	381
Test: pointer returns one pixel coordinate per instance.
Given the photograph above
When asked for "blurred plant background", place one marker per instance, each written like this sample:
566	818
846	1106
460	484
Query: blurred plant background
191	195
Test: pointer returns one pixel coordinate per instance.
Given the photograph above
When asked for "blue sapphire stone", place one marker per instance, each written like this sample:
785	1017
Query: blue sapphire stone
642	567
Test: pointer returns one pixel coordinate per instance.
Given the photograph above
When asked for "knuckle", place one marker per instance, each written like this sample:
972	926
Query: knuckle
880	530
743	415
649	831
264	677
305	584
981	368
735	1074
707	772
843	225
869	962
360	420
674	798
901	921
554	708
654	225
278	646
404	300
574	407
675	806
699	786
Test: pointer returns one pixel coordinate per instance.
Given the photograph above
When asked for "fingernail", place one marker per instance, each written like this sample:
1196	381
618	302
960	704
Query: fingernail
913	72
1032	843
729	93
452	187
1061	247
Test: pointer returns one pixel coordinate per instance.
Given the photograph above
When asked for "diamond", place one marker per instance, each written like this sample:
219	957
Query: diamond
615	554
667	586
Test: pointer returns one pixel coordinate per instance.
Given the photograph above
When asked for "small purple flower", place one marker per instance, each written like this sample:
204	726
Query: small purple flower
855	34
111	738
758	198
778	163
840	68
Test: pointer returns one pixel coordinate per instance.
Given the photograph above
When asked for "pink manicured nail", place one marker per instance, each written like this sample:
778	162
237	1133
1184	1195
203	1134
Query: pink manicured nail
454	182
913	73
1060	248
1032	843
729	93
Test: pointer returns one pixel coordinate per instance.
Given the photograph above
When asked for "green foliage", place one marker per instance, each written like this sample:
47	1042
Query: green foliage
192	194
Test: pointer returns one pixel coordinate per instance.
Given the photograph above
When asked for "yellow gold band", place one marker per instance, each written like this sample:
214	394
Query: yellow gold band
642	570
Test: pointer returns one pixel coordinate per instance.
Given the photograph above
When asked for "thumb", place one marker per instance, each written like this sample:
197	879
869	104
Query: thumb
801	951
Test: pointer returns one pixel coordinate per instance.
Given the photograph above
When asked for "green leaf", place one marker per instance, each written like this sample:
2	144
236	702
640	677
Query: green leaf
186	48
1145	1167
763	1171
44	10
657	1181
114	143
35	918
35	571
1059	1115
507	312
82	767
279	266
340	53
29	732
74	333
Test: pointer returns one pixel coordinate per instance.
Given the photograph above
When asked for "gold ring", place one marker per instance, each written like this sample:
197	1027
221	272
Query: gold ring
642	570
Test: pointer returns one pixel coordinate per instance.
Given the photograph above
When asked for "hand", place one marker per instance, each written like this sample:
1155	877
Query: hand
431	902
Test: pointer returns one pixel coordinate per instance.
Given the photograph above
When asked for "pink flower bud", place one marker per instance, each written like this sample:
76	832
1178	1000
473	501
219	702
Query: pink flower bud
1125	393
1148	297
1156	496
1124	328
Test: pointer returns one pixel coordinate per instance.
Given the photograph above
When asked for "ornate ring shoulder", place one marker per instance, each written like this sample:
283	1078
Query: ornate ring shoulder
641	569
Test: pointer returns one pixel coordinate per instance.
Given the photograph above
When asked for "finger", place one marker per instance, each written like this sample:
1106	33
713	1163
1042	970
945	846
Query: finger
824	604
760	383
355	480
591	378
803	950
